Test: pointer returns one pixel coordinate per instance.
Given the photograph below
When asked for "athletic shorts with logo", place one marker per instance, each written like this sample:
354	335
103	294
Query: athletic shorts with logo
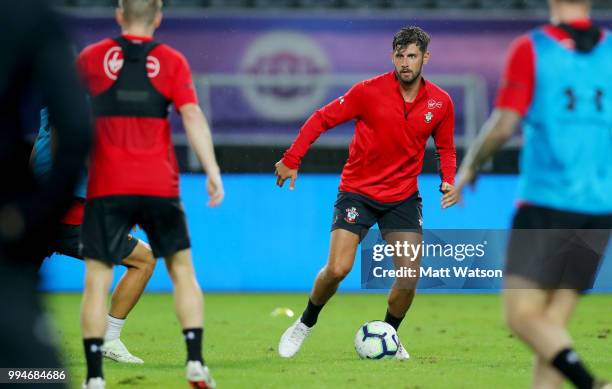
108	219
356	213
556	249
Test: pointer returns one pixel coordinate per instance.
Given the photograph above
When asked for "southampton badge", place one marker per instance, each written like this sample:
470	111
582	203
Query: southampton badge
351	215
428	117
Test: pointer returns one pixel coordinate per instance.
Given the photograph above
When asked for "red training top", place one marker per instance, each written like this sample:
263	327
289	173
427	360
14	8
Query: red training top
518	81
387	150
134	155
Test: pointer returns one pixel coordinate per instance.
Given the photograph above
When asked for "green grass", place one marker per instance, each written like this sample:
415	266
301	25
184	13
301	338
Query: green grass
456	341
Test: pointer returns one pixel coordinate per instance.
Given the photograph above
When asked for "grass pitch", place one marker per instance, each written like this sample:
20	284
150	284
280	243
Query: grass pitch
455	341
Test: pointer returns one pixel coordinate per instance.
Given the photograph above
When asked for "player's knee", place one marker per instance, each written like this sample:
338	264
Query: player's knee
98	281
149	261
556	316
337	272
174	271
142	261
179	271
520	317
148	267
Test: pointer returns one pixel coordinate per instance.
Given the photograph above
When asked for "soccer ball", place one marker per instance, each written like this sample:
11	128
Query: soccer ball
376	340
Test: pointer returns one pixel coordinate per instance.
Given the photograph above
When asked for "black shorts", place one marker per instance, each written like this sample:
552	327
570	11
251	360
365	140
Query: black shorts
108	220
68	242
556	249
357	213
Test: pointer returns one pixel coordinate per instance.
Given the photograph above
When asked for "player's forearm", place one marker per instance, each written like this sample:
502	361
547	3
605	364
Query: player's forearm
448	164
446	157
495	133
200	138
446	152
309	133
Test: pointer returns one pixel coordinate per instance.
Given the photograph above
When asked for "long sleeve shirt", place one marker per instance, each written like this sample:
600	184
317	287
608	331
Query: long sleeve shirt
387	150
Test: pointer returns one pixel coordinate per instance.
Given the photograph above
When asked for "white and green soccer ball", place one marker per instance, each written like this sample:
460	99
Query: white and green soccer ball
376	340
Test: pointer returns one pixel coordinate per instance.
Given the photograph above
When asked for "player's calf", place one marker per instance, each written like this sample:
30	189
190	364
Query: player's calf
141	264
399	302
98	278
189	307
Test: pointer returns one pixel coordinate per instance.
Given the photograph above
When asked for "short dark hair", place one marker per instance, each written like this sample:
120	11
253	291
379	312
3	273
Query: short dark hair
409	35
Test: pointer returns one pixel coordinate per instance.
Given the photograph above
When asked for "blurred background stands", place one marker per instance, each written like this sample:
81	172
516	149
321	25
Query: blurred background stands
345	4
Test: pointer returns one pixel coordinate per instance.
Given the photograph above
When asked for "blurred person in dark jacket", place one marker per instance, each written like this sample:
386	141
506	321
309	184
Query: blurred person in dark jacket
40	62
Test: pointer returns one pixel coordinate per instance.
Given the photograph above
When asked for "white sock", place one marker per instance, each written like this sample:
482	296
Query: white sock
113	328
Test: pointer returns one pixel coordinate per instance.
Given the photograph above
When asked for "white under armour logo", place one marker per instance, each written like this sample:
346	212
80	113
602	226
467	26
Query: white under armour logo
573	357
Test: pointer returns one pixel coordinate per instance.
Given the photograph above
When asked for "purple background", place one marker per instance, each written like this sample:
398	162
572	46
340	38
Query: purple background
358	45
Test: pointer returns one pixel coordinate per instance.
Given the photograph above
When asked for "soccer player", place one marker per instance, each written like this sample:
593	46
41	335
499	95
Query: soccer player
137	258
133	174
395	114
558	83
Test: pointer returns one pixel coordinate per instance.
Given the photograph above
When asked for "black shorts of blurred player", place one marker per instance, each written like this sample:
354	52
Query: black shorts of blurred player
551	249
553	256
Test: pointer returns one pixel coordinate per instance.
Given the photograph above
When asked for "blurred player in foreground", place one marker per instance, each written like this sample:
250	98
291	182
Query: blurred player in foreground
558	82
39	61
137	258
395	114
133	174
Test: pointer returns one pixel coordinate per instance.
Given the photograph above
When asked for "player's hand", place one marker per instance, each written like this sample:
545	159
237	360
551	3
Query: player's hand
454	194
214	187
447	201
283	173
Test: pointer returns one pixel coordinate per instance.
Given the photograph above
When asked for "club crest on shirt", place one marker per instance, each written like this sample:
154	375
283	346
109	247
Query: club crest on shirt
428	117
351	215
431	104
113	62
